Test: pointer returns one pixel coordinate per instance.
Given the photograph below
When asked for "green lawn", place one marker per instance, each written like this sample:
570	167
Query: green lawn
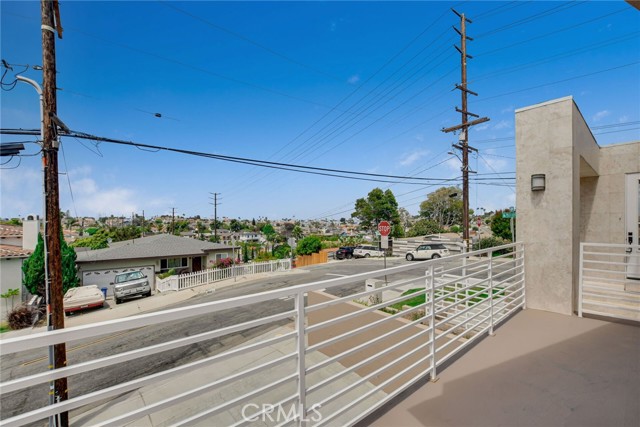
479	293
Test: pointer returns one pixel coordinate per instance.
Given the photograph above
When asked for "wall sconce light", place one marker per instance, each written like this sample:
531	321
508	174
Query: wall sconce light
538	182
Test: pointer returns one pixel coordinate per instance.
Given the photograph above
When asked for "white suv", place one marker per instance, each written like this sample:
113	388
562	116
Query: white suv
364	251
427	251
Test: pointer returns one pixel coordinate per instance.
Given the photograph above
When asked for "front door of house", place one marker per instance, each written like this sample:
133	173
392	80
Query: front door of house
632	236
196	263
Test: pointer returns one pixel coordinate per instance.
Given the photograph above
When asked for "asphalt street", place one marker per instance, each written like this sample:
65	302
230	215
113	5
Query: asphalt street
21	364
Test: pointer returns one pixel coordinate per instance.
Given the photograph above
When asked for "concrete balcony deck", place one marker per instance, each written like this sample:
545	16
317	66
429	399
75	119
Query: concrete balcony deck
540	369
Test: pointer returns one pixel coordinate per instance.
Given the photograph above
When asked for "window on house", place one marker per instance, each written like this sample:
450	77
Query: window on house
221	256
169	263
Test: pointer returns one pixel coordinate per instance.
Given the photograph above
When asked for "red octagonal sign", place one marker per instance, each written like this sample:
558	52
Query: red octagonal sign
384	228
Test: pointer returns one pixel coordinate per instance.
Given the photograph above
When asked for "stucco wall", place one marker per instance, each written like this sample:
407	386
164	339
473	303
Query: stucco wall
602	198
10	278
583	199
545	218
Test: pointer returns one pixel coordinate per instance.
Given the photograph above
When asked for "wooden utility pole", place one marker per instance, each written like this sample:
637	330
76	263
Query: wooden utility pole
215	216
173	220
464	126
52	196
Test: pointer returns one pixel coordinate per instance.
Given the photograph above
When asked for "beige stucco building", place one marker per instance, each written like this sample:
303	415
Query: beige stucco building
590	195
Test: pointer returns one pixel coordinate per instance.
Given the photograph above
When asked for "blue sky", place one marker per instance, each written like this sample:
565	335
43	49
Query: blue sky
360	86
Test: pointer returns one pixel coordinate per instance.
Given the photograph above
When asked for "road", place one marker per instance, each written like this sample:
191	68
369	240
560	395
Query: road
21	364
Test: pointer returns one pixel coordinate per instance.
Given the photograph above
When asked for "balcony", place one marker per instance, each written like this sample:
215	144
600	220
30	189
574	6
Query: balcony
339	351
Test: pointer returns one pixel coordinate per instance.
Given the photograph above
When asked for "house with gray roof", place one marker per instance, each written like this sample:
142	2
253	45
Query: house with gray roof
152	255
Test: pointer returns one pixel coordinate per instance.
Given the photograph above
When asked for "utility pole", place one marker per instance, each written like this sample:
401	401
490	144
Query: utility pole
52	203
173	220
465	125
215	216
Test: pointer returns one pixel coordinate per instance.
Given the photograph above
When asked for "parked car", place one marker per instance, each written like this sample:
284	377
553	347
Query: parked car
130	285
365	251
345	252
82	298
427	251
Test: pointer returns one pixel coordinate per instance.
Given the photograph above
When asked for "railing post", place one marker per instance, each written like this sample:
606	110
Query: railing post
301	350
490	253
432	299
580	279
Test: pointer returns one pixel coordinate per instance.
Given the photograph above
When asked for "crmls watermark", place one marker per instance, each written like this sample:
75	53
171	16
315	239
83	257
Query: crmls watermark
278	413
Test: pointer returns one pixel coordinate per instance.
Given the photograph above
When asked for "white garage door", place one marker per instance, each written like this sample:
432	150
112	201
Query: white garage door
104	278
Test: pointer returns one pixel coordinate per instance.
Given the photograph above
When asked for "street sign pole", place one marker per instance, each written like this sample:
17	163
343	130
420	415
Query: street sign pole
384	228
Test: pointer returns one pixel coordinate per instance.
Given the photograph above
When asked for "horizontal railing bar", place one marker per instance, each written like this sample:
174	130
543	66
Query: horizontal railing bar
617	307
79	368
462	344
625	297
370	375
366	361
238	400
341	300
607	287
362	346
373	390
42	339
597	270
503	316
76	402
362	328
610	245
369	309
182	397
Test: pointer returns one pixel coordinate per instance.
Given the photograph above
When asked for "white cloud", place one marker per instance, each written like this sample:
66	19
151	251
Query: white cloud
481	127
454	164
495	164
508	110
20	191
502	124
410	158
623	119
354	79
419	137
114	200
601	115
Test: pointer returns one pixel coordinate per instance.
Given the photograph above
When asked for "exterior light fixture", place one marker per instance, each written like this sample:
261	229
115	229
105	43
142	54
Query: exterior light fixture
538	182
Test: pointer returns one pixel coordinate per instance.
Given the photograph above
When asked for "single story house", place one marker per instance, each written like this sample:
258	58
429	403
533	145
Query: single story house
16	244
152	255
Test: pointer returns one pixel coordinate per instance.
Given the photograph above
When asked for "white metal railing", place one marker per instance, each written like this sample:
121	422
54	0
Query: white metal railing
343	360
609	280
211	275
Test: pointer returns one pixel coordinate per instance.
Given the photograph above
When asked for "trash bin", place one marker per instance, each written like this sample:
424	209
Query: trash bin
104	291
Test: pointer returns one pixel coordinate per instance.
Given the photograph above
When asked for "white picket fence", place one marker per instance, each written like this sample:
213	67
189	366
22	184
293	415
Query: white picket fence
204	277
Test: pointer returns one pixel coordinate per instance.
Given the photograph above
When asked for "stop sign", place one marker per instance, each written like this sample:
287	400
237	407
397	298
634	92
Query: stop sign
384	228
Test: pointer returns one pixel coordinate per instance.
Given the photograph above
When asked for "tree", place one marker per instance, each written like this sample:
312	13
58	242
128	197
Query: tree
33	268
378	206
423	227
443	206
309	245
297	232
501	227
235	225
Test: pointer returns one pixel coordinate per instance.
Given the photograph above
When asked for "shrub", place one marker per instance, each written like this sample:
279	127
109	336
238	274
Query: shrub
22	317
223	263
490	242
282	251
309	245
454	229
167	274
